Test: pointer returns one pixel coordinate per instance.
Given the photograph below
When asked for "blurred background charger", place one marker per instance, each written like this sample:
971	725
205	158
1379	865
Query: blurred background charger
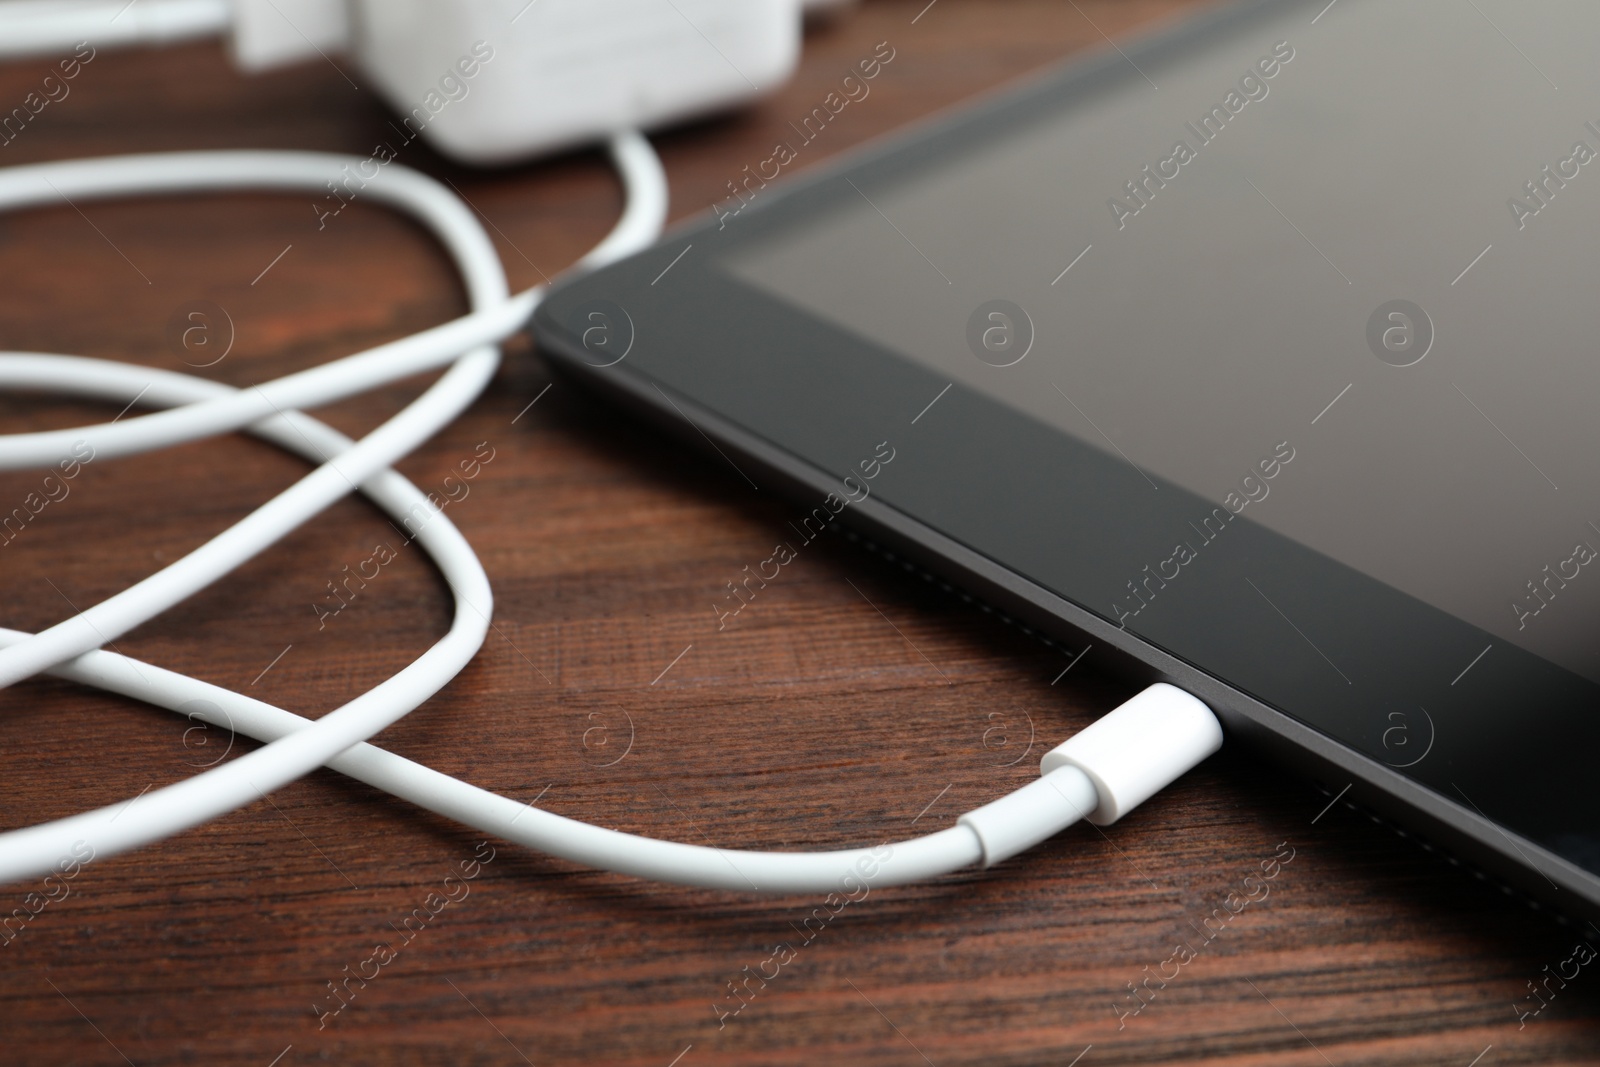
483	81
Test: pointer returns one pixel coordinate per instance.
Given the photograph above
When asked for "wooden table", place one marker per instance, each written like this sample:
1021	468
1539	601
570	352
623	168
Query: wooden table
849	701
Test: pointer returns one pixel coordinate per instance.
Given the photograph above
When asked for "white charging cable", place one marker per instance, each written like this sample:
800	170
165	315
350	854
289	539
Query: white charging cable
1099	774
30	852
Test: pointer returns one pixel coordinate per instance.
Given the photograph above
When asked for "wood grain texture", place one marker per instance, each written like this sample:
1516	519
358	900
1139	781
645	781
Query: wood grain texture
850	702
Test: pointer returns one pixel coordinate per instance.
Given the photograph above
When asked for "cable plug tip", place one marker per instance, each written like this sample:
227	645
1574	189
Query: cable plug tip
1138	748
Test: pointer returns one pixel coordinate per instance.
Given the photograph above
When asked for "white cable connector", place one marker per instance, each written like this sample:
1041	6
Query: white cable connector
1140	748
1043	808
1102	772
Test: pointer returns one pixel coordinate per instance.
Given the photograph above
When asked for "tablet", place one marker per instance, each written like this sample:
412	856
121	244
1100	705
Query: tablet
1263	351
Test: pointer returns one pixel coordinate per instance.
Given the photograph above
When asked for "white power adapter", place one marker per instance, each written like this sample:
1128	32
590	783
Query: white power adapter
494	81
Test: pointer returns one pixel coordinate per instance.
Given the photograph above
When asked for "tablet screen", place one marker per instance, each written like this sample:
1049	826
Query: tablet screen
1334	277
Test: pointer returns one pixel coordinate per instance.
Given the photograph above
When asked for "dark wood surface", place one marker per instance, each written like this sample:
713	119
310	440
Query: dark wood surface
849	699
